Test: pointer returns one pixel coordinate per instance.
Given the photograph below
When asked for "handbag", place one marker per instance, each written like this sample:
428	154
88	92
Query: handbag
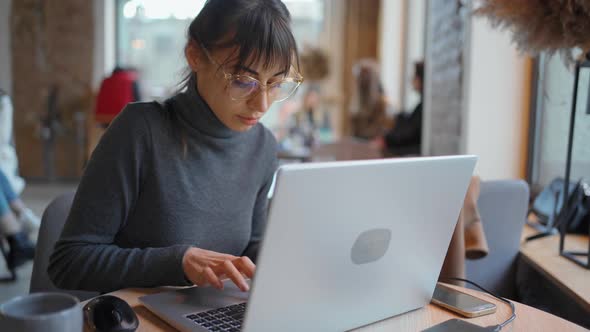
578	214
547	204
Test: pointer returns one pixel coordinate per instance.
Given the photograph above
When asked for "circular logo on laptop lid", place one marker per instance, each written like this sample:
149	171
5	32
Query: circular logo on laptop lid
370	246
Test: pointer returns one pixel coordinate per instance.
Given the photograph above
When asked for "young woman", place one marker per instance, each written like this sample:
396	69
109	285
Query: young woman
368	105
406	135
176	194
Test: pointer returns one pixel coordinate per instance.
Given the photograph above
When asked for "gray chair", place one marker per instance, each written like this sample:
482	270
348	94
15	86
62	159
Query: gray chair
503	206
52	223
348	148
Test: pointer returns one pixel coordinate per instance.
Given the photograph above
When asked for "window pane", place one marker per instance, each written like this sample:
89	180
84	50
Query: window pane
308	20
555	90
151	38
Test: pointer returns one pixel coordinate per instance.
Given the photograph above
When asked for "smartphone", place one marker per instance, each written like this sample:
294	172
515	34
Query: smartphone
456	325
461	303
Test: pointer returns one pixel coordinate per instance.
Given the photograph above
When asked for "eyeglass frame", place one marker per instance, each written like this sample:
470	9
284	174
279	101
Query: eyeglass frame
261	86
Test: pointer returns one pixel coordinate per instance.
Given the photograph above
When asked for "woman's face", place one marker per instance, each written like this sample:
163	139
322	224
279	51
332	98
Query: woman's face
238	115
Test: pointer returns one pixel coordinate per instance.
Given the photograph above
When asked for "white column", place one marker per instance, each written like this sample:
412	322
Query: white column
104	40
391	49
498	83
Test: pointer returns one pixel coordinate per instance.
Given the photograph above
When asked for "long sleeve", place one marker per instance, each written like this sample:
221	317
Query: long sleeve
86	256
260	215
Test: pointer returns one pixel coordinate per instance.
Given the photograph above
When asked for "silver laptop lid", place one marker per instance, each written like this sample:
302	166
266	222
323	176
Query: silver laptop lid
351	243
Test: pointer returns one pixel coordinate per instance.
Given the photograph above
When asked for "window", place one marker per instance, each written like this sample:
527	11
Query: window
308	20
552	118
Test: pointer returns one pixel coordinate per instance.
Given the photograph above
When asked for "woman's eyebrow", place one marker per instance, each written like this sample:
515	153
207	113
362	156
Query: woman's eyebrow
254	72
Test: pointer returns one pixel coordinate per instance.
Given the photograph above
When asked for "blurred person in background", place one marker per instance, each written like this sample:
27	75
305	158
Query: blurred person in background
406	134
368	106
8	158
116	91
16	223
10	180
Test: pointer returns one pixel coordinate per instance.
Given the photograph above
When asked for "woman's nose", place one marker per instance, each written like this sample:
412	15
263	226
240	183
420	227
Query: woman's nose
260	102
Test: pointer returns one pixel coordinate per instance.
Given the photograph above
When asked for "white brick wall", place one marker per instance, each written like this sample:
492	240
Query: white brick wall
444	88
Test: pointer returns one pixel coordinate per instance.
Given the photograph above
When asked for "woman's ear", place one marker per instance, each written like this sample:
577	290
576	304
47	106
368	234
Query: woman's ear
193	56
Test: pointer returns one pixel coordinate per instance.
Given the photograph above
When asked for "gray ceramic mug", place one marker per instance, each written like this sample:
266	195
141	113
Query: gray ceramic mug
37	312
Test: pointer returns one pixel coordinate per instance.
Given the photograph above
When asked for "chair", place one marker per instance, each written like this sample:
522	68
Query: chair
52	223
347	148
503	208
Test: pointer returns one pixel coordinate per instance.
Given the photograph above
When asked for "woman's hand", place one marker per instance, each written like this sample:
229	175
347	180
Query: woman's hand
204	267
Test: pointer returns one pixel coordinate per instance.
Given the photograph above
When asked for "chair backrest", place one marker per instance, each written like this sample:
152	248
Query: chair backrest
346	149
503	206
52	223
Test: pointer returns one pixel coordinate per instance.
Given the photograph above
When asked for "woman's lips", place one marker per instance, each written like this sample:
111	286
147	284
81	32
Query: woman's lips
247	120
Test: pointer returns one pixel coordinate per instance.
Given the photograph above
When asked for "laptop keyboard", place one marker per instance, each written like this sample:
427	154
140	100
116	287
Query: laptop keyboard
223	319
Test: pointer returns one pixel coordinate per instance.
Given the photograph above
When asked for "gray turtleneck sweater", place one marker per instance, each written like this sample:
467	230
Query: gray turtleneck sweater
144	199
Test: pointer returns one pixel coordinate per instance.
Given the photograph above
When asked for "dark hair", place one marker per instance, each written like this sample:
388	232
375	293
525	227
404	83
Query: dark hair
419	70
259	28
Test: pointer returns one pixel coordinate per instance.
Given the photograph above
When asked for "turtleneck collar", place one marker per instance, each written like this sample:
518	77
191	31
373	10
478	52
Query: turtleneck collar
195	112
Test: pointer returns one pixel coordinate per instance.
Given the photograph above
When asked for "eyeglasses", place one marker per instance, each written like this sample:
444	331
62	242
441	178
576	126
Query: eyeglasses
242	87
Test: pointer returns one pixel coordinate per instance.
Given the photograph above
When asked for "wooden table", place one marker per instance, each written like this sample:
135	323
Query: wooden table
528	318
543	256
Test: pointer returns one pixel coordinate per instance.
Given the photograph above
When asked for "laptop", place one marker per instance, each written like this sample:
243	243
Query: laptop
347	244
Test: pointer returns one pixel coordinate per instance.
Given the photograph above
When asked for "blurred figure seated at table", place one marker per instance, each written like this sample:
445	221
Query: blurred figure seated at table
16	223
115	92
8	157
405	136
368	104
305	119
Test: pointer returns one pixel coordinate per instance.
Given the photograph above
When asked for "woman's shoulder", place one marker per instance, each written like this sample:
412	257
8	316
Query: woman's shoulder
143	110
141	115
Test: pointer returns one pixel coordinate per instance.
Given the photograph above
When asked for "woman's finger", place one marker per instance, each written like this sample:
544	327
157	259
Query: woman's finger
234	274
212	278
246	266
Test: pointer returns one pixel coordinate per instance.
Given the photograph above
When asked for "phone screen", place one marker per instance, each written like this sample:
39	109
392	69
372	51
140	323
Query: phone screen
459	300
456	325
